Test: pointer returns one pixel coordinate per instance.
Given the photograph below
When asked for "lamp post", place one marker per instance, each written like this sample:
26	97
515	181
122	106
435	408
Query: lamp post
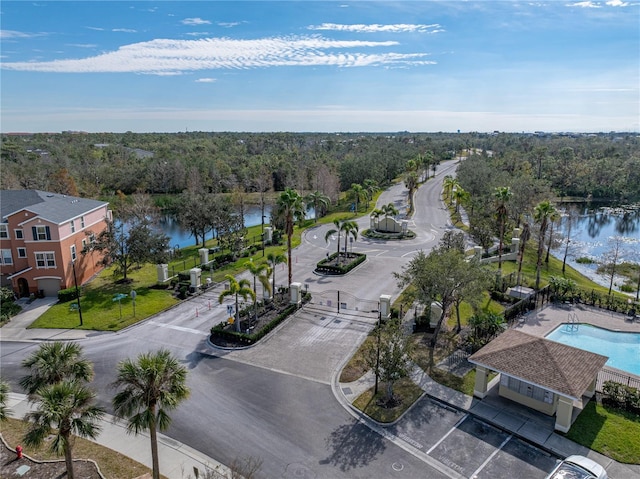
75	281
375	389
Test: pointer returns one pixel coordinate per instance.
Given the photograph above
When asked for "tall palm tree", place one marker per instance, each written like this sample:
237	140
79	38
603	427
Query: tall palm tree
555	216
411	182
450	184
151	386
358	193
541	215
236	289
259	271
54	362
460	196
338	229
371	188
63	409
319	201
4	392
501	196
275	259
524	237
291	207
389	210
376	214
350	228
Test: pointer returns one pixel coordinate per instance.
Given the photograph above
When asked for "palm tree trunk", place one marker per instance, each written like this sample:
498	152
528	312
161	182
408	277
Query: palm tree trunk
289	257
153	434
237	315
68	457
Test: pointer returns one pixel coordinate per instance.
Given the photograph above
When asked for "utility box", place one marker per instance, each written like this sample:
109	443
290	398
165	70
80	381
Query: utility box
204	255
163	272
295	289
268	234
196	277
385	306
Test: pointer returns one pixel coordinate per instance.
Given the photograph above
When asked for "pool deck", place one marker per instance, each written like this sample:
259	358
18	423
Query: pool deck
542	321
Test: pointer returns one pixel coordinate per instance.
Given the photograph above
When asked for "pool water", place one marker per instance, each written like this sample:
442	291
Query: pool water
623	349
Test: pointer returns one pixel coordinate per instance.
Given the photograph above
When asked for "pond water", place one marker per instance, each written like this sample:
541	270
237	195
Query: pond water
591	237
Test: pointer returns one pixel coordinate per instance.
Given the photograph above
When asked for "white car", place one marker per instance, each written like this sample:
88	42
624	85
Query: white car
578	467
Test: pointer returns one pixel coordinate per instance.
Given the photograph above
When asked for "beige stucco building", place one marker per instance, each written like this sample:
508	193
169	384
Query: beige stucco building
541	374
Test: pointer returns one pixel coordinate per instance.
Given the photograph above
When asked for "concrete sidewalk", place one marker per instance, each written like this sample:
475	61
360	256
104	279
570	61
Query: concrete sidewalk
177	460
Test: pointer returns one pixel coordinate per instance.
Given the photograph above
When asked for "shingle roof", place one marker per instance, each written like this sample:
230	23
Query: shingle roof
50	206
561	368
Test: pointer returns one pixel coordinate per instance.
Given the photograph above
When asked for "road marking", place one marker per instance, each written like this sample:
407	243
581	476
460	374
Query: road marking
180	328
450	431
477	471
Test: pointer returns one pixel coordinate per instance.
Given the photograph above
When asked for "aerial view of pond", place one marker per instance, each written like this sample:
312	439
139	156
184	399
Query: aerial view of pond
591	237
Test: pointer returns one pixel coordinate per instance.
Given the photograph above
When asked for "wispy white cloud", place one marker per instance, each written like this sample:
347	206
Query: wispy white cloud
195	21
125	30
82	45
375	28
618	3
229	24
197	34
97	29
585	4
205	80
165	56
7	34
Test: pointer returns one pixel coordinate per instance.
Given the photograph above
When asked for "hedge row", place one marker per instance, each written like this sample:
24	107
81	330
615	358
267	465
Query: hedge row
218	331
68	294
354	260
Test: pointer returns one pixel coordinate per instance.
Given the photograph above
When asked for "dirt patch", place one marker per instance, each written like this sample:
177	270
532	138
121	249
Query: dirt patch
10	464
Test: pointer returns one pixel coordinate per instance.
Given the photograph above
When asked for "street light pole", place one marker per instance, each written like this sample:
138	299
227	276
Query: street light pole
375	389
75	281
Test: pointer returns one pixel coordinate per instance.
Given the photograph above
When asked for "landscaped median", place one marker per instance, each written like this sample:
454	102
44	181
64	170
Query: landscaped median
340	263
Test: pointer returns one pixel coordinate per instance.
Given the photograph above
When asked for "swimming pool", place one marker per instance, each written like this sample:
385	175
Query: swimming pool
623	349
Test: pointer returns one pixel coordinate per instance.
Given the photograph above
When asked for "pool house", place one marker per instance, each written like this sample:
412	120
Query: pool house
541	374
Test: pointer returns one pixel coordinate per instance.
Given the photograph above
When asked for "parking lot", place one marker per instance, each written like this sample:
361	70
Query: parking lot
469	446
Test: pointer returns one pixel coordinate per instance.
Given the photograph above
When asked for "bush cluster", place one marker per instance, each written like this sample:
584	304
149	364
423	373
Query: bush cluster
354	259
219	330
621	396
65	295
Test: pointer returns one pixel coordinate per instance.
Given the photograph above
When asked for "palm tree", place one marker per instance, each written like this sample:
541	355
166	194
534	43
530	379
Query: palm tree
552	221
389	210
501	195
291	207
4	392
376	214
350	228
357	192
261	272
426	159
411	182
460	196
275	259
63	409
55	362
152	386
450	184
319	201
338	229
371	188
524	237
237	288
541	214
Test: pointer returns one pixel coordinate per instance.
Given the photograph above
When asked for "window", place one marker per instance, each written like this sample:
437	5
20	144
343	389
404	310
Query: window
73	252
22	252
4	231
92	238
84	244
41	233
73	226
45	260
19	234
82	222
6	256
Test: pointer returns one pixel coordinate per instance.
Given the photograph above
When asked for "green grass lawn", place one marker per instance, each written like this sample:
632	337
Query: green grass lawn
404	390
611	432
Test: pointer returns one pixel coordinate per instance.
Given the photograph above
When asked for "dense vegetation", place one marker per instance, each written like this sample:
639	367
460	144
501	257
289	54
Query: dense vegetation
101	164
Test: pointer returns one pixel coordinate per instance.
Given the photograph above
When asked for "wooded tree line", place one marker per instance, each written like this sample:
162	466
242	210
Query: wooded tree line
100	164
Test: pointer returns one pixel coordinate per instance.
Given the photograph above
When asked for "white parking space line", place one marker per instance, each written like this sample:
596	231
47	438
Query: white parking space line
455	426
477	471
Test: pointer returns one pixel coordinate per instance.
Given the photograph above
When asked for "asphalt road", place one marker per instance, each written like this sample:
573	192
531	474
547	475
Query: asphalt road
275	401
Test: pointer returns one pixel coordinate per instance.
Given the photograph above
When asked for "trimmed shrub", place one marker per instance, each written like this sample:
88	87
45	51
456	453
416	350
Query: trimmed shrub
65	295
622	396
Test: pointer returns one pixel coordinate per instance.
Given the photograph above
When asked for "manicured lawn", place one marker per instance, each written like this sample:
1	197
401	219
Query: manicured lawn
608	431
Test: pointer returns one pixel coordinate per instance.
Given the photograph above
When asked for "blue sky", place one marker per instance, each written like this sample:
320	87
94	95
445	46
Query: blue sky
320	66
